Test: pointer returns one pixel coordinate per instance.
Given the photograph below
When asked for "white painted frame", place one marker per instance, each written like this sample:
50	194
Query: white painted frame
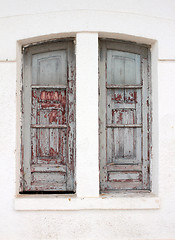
87	162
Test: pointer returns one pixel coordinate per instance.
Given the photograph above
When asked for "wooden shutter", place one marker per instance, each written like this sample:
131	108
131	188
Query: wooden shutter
48	130
124	109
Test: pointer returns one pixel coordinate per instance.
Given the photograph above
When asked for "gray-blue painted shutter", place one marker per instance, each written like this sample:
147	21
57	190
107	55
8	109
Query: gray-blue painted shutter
124	126
49	121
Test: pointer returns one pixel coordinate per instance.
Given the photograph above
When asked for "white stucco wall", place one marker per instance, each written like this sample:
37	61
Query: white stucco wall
143	21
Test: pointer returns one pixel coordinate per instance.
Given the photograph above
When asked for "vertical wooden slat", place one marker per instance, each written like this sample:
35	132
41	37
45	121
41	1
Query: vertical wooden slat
145	114
26	144
110	132
71	118
53	146
34	150
103	135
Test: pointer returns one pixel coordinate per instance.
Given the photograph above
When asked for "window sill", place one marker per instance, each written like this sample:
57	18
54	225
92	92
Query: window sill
69	202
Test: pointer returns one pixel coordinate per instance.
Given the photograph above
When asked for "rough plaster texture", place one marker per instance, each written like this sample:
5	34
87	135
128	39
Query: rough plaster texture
142	21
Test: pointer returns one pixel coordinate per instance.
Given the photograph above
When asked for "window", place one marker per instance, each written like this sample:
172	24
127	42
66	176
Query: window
113	124
48	118
125	116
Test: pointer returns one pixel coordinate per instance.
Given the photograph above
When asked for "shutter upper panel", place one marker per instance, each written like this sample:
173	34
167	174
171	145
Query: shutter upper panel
50	157
123	68
125	123
50	68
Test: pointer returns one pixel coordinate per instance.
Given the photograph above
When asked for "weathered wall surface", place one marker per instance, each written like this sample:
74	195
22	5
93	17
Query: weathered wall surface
141	21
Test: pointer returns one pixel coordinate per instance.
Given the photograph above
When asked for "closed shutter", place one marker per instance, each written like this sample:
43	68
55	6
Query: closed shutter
125	122
48	134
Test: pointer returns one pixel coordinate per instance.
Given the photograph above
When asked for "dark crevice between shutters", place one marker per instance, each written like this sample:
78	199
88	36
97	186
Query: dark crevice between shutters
47	192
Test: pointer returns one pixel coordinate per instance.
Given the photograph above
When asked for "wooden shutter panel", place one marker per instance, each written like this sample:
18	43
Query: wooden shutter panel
125	125
48	134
